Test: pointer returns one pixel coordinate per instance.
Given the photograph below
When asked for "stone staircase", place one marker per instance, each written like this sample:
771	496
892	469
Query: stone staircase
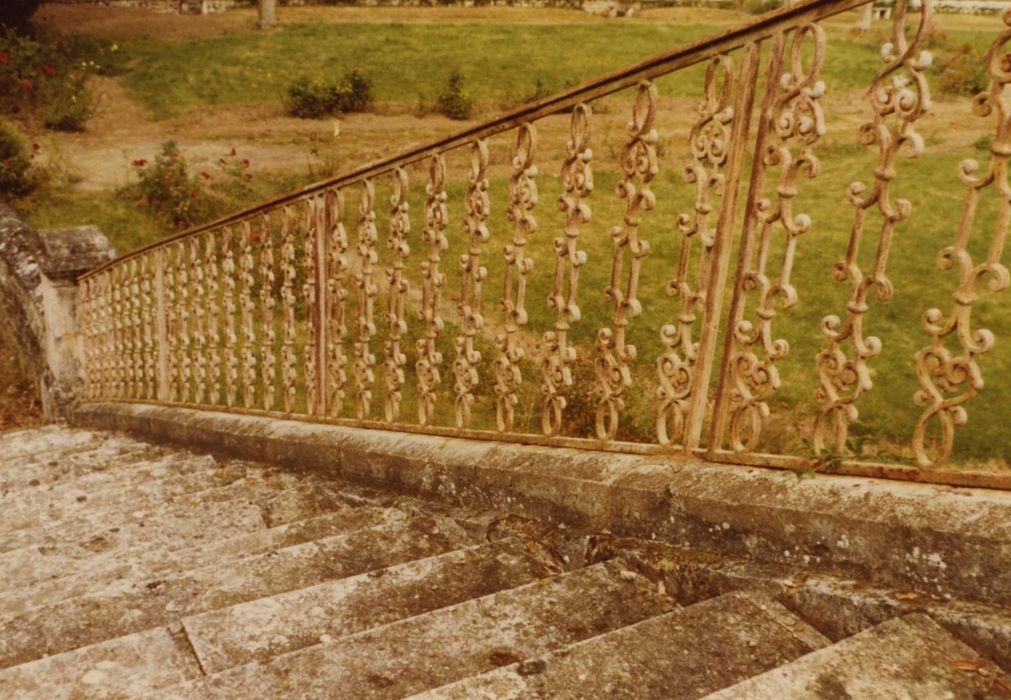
132	570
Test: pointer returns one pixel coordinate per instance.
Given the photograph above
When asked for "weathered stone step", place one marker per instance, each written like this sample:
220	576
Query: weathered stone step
277	497
138	463
127	608
905	657
444	645
37	444
119	668
135	488
682	655
260	629
71	576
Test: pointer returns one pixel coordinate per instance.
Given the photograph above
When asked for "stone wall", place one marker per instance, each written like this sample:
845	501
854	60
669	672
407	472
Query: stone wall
38	295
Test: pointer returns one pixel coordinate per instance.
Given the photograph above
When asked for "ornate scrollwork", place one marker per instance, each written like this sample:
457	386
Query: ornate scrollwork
199	361
289	375
228	272
793	126
337	294
508	376
268	336
136	332
172	391
429	357
310	362
709	140
247	267
365	360
898	96
467	356
213	306
614	355
577	183
396	359
184	359
949	379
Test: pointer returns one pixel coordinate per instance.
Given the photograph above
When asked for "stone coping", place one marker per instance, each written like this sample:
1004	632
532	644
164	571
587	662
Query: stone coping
946	541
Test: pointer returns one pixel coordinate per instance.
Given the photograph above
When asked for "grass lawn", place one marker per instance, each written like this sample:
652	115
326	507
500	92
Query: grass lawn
503	57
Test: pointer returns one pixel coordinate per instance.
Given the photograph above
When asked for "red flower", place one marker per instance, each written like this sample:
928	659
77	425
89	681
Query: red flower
193	194
36	146
139	163
233	151
49	69
26	86
4	58
245	162
8	164
248	176
204	174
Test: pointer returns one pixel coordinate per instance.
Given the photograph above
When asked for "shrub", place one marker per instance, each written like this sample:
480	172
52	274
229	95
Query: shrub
18	176
963	71
317	97
16	13
169	189
455	103
70	108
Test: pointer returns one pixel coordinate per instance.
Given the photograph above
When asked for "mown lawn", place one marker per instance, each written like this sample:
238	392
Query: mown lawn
409	63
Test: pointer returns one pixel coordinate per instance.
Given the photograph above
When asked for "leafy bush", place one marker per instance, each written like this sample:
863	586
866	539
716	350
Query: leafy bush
454	102
170	190
962	71
317	97
183	198
70	108
46	78
18	176
16	13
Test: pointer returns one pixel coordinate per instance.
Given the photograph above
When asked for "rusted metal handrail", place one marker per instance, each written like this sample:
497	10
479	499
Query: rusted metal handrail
272	310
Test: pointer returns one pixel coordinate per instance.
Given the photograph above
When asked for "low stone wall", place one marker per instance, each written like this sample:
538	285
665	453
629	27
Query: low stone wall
941	540
38	296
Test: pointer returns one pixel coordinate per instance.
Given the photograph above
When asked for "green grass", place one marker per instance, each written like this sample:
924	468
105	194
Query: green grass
407	62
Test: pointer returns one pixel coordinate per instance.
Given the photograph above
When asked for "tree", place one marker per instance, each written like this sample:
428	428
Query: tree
864	18
16	13
268	14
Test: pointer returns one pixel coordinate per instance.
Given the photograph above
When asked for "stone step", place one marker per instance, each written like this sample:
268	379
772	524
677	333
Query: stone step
684	654
77	574
101	452
120	668
23	446
136	464
260	629
276	497
135	488
905	657
447	644
126	608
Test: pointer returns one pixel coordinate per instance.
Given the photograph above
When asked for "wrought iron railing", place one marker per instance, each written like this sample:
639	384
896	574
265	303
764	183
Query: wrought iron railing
302	307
